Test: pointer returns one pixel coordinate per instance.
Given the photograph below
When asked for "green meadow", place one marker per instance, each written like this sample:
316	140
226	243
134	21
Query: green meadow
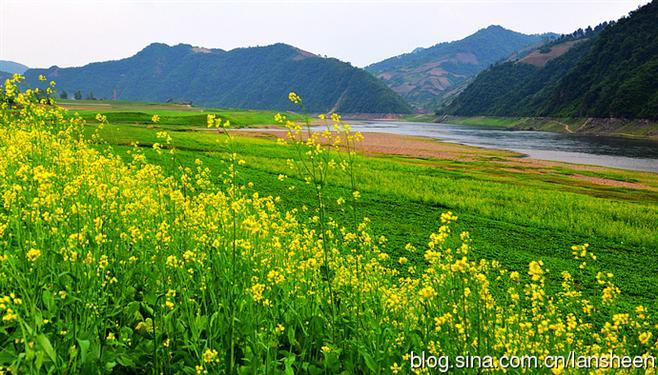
180	116
516	213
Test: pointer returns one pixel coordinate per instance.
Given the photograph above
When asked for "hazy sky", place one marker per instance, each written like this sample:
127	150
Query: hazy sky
42	33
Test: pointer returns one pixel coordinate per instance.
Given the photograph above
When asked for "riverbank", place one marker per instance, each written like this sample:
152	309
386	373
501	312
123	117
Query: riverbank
641	129
613	127
427	148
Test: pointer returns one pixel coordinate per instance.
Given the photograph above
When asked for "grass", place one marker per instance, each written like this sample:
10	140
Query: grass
644	129
542	214
156	259
502	122
183	116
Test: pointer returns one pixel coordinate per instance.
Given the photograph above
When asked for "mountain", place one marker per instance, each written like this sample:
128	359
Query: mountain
257	77
518	87
608	71
426	75
12	67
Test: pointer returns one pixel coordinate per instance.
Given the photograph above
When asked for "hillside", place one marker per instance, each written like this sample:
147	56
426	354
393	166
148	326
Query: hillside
424	76
12	67
516	88
618	77
258	78
609	71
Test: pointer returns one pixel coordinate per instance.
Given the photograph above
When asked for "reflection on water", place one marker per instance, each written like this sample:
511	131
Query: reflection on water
615	152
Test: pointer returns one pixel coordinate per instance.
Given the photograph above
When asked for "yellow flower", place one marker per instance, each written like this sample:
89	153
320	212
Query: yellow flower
103	262
211	120
275	277
279	328
9	316
33	255
257	291
395	368
326	349
145	326
534	270
294	98
210	355
427	292
645	337
155	119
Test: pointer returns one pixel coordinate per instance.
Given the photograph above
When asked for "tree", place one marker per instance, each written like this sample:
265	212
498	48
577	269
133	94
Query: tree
77	95
63	95
90	96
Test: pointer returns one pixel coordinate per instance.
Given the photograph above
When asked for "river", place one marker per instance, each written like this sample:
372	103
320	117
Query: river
624	153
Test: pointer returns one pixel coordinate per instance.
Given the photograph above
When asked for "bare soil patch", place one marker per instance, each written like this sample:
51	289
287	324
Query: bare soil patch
609	182
417	147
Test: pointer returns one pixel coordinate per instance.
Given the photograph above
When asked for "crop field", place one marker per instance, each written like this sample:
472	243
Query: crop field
140	239
183	116
543	209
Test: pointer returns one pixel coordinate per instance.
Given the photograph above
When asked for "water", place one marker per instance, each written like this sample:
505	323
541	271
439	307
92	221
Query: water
614	152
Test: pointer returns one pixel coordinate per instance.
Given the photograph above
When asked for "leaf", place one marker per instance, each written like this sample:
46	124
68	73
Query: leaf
131	308
48	300
372	366
84	349
43	341
291	335
288	363
7	355
126	360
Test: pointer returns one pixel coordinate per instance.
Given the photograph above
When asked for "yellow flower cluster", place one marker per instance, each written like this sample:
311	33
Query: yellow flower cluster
116	255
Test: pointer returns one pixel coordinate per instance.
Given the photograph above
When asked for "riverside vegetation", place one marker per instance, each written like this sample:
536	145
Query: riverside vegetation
143	263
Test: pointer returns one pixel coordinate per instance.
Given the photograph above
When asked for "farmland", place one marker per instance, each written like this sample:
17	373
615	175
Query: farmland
543	207
179	246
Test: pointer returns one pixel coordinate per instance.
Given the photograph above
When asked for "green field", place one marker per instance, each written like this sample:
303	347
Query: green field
171	246
646	129
184	117
542	211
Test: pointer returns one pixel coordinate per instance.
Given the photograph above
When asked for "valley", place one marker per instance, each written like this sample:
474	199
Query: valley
413	177
338	188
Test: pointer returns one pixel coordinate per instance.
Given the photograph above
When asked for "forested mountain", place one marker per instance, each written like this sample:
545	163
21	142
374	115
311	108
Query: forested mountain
12	67
609	71
4	76
426	75
258	77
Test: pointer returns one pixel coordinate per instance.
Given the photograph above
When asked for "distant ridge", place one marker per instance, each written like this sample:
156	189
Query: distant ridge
426	76
610	71
12	67
255	77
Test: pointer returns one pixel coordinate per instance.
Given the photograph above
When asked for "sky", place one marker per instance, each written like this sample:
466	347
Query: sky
42	33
